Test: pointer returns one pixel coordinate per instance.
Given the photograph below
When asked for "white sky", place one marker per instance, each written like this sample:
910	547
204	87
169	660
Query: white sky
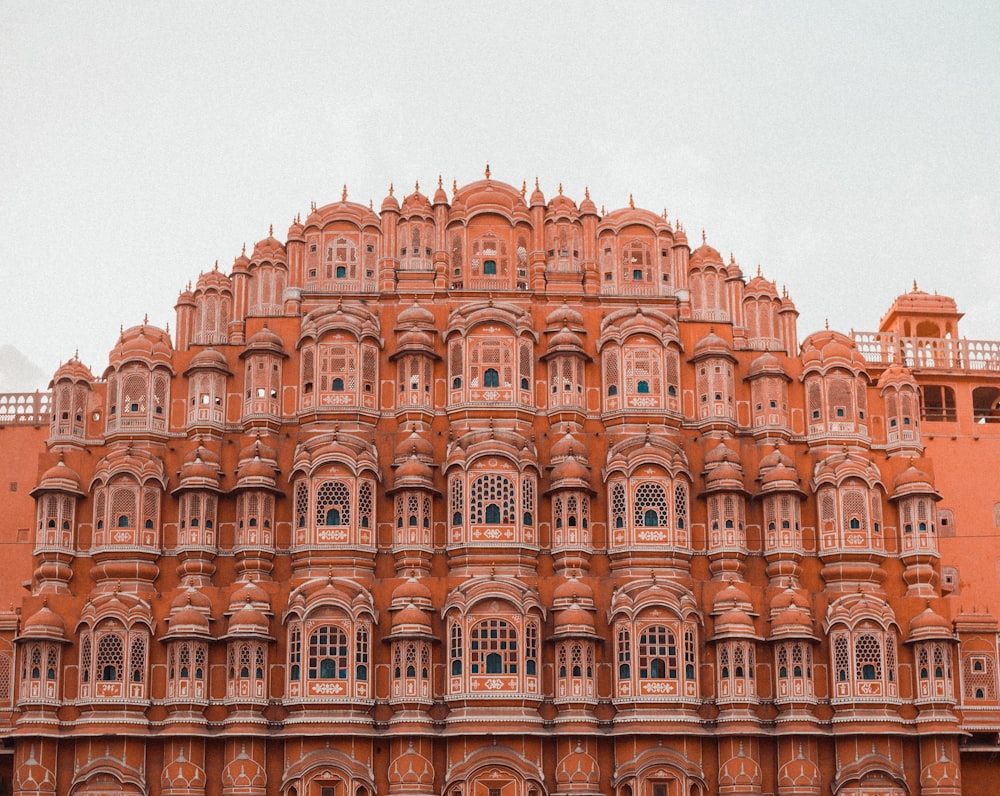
848	148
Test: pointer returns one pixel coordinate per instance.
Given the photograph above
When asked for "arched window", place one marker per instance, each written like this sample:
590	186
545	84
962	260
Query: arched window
493	648
328	654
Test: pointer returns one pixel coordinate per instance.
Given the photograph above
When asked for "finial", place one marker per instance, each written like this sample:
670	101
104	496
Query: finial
454	187
631	202
784	291
914	285
390	189
216	266
487	172
827	324
536	182
524	188
602	210
270	230
586	191
76	354
343	195
664	216
560	187
312	205
758	266
703	235
439	180
145	319
371	204
416	185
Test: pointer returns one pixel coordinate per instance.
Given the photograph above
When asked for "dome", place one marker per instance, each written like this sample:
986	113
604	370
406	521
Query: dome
734	622
913	482
242	262
721	454
187	620
389	204
827	348
208	359
44	623
896	375
440	197
578	772
414	316
411	770
415	445
147	343
712	345
412	591
256	472
411	617
565	340
248	620
563	316
725	476
775	459
268	249
489	194
767	364
264	340
919	302
793	621
561	205
295	230
537	197
760	287
929	624
705	255
731	598
258	447
587	206
358	215
416	203
740	774
413	471
60	478
191	597
572	590
213	280
250	593
572	618
570	472
200	470
72	370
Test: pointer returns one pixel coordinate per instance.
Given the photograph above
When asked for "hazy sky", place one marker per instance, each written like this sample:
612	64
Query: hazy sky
848	148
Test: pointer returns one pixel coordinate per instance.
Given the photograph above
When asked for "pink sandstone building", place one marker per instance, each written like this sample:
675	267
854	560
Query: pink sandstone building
493	495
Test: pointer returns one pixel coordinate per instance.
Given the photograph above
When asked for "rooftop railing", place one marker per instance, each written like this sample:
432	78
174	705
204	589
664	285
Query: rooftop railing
938	353
25	408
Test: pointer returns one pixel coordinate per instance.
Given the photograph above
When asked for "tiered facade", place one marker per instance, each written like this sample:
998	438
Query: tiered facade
485	495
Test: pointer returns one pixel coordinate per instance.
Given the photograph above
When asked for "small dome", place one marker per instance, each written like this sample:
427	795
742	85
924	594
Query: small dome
415	445
200	469
411	617
760	287
413	470
929	624
242	262
191	597
440	197
731	598
256	472
213	280
187	620
578	772
44	623
792	621
264	339
911	476
560	204
390	204
734	622
572	590
60	478
566	445
570	472
767	364
259	447
897	375
724	476
412	591
573	617
587	206
248	620
249	592
721	454
827	347
564	315
565	340
415	316
72	370
208	359
712	345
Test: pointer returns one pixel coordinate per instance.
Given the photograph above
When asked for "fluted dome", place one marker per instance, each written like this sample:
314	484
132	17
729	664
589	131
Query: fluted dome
193	598
213	280
411	618
415	444
416	203
570	472
149	344
249	593
896	375
72	370
412	591
270	249
912	480
704	255
187	621
248	621
826	348
570	591
415	316
413	472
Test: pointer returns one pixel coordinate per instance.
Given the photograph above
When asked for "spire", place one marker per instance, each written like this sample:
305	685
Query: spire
914	285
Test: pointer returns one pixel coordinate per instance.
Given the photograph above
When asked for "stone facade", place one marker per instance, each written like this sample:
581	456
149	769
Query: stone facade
485	495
